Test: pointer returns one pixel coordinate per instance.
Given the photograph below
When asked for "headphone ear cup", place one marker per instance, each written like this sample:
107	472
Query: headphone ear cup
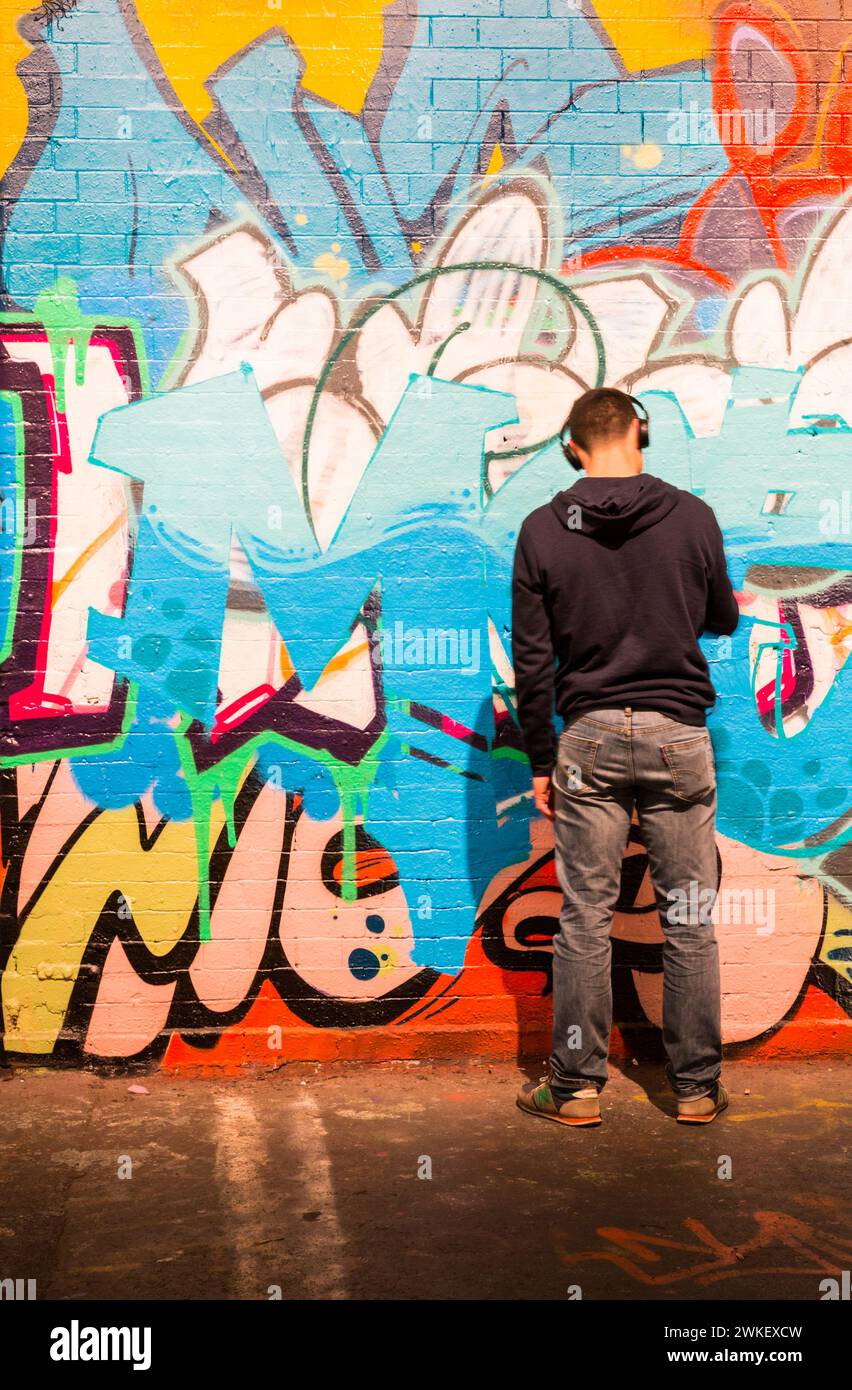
644	427
567	450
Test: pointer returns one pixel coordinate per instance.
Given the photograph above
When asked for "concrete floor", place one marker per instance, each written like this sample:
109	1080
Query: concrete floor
307	1179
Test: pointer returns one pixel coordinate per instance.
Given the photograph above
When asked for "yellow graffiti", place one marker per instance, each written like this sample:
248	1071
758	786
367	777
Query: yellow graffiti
646	156
13	101
815	1104
495	164
660	34
341	43
159	884
339	70
337	267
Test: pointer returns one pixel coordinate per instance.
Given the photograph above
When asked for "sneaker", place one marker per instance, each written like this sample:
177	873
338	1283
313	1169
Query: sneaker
704	1109
581	1107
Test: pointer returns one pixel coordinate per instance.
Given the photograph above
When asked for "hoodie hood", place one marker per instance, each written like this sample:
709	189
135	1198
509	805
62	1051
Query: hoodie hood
613	509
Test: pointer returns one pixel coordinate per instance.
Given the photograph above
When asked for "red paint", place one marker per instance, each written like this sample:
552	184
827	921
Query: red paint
499	1015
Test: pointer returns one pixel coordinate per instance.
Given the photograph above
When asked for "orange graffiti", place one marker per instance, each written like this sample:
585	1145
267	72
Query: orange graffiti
710	1260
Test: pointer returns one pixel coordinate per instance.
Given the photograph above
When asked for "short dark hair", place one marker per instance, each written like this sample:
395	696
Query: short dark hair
599	416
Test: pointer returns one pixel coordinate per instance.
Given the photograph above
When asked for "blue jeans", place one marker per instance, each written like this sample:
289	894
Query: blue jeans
609	761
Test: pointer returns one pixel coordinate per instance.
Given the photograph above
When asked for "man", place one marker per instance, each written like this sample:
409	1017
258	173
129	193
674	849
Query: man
614	581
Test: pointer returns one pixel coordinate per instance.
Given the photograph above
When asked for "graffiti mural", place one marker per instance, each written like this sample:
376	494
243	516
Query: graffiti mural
288	335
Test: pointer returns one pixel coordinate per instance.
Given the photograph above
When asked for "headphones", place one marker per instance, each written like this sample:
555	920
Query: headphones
644	434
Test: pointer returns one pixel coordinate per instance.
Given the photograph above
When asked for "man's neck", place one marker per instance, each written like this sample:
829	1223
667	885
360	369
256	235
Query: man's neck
614	463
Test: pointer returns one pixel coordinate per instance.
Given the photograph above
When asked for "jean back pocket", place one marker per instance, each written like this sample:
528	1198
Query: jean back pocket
690	762
575	763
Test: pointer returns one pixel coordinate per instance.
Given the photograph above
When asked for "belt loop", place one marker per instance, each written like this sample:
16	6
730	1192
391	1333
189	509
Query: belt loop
628	710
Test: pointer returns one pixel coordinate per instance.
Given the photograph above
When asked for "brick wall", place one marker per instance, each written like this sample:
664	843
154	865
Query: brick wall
295	307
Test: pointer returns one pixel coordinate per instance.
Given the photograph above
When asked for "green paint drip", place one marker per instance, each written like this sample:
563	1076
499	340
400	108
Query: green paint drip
229	779
353	786
202	806
59	317
64	322
204	788
348	878
224	781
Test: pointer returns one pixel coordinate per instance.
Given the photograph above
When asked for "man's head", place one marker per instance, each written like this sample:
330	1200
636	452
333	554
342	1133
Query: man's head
604	430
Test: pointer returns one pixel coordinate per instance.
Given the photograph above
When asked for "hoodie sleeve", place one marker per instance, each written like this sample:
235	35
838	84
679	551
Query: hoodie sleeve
533	659
723	613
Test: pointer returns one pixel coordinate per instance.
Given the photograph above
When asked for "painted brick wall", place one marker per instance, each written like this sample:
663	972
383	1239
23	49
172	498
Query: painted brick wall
295	306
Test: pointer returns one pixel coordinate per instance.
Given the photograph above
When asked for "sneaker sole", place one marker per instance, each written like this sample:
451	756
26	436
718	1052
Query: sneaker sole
585	1122
702	1119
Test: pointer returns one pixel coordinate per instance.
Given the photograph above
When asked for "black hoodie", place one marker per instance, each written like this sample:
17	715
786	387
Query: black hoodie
613	582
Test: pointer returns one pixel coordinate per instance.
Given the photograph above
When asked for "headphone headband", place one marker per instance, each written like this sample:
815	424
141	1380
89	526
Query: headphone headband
644	433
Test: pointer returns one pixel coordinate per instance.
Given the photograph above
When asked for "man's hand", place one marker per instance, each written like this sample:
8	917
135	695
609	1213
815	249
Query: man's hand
543	794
